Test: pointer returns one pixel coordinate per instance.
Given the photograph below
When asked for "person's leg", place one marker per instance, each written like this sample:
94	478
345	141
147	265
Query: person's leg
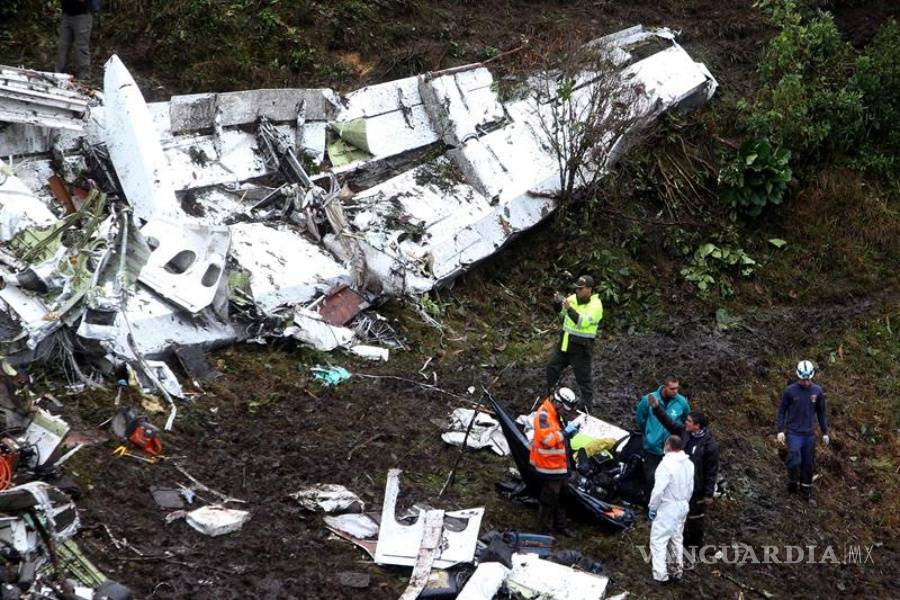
794	442
82	45
807	462
64	43
660	533
676	545
560	522
549	503
651	461
581	366
693	527
558	362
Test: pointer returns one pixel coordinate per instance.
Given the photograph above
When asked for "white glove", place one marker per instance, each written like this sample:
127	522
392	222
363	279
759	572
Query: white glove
825	439
780	437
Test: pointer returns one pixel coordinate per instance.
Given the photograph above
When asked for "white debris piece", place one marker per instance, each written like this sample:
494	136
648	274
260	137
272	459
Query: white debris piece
355	525
40	98
385	119
187	261
328	497
45	433
370	352
460	104
134	147
598	428
216	520
158	326
534	577
163	374
310	328
485	431
285	268
485	582
19	207
398	544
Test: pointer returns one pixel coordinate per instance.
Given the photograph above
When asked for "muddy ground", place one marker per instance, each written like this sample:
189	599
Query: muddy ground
265	428
262	437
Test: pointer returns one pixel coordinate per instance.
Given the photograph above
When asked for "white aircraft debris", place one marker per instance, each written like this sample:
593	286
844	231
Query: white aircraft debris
220	217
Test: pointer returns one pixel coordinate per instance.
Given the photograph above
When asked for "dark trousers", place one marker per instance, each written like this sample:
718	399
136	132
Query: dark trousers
693	526
800	461
551	511
651	461
578	354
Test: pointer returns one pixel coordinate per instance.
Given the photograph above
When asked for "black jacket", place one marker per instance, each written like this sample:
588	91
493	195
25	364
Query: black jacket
703	452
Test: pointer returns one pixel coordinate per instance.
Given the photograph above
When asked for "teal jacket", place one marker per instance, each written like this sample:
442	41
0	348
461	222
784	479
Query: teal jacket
655	433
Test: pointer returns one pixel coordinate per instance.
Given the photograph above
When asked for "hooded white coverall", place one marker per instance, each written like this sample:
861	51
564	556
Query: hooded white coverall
670	497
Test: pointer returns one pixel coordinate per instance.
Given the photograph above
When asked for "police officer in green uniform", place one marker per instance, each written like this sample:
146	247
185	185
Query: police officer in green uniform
581	313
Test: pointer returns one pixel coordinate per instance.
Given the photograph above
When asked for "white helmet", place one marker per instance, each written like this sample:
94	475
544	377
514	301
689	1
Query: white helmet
566	397
805	369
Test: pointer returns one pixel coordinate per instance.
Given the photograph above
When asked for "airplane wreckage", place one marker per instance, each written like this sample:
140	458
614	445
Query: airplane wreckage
136	233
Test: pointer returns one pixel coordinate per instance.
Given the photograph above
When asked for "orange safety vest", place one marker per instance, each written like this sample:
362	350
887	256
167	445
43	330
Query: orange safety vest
548	447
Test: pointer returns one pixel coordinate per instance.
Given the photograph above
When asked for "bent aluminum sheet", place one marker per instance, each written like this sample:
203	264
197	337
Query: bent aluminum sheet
135	149
187	261
285	268
20	209
43	99
398	544
534	577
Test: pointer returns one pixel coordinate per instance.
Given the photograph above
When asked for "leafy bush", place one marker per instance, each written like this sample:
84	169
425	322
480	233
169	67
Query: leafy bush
821	98
711	265
877	78
808	103
756	177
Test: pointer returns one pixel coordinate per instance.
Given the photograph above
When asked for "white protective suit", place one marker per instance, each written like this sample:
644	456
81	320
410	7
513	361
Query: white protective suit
670	497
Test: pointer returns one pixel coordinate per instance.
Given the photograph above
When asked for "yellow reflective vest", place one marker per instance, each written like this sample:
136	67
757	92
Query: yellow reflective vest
589	316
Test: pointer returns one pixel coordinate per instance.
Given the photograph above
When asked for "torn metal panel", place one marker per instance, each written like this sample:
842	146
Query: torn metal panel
19	207
534	577
461	104
329	498
485	582
39	98
135	149
200	111
484	432
432	524
398	544
186	262
45	433
310	328
355	525
341	305
285	268
385	119
159	325
507	163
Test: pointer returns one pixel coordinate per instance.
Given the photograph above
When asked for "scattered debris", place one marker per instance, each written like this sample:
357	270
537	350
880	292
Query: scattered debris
485	582
330	375
216	520
485	431
399	544
266	248
534	577
355	525
329	498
